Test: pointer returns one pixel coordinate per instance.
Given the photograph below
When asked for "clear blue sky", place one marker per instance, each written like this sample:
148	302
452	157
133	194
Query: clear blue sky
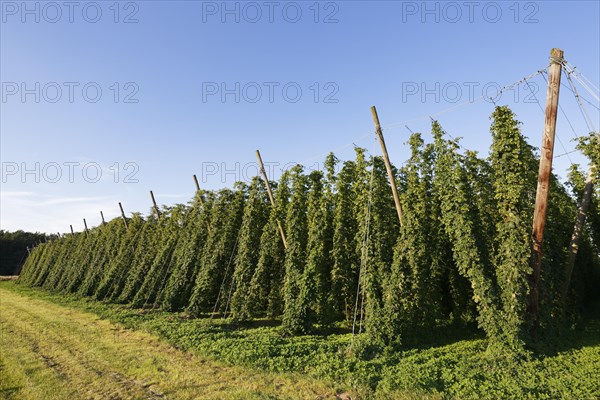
179	53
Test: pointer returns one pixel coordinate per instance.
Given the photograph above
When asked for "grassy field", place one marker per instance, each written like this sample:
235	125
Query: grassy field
49	351
65	346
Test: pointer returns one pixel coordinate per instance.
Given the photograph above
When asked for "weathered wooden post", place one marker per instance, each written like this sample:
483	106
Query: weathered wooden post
103	220
155	206
123	214
72	233
388	165
543	186
266	179
86	227
198	190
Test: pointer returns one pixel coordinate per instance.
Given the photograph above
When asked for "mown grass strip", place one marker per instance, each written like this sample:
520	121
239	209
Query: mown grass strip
50	351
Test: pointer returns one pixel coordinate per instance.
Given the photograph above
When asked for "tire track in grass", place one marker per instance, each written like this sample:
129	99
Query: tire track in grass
69	354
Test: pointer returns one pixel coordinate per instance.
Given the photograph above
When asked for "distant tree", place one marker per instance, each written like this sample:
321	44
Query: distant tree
13	249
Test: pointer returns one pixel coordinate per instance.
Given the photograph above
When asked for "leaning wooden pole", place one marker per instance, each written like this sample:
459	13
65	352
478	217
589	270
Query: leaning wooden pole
543	185
198	190
103	220
123	215
87	231
264	174
72	232
155	205
388	165
576	237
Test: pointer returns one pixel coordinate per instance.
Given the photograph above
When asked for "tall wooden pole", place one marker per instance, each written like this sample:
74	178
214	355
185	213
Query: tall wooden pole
86	228
155	206
264	174
72	233
388	166
543	186
198	190
575	238
123	214
103	220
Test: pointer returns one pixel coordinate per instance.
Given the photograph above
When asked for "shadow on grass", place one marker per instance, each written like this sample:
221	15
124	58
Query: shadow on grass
10	392
424	338
585	334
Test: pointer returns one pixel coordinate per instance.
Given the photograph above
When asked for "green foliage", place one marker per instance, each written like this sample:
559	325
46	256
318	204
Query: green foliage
462	253
211	280
458	216
514	180
188	255
173	219
413	291
345	266
296	318
316	282
248	250
382	233
590	146
145	253
266	294
113	280
107	250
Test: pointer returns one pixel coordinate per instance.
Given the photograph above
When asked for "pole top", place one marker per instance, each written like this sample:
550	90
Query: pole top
556	53
375	118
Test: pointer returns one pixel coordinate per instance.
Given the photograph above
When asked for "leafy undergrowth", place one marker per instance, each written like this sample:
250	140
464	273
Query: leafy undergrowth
452	363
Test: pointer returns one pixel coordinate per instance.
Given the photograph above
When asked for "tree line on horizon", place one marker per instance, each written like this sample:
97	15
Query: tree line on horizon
13	249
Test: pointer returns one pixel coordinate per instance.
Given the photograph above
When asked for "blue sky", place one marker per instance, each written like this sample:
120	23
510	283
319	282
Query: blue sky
162	67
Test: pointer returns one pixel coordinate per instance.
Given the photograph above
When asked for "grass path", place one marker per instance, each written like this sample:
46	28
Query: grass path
48	351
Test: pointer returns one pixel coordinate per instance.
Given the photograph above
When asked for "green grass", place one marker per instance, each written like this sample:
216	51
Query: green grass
56	352
449	363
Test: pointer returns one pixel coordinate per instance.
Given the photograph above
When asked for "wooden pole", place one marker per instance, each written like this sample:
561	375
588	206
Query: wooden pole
123	214
86	228
575	238
103	220
264	174
388	165
198	190
543	185
72	233
155	206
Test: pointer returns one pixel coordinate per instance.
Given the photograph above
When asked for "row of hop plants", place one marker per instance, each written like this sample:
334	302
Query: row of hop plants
462	254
